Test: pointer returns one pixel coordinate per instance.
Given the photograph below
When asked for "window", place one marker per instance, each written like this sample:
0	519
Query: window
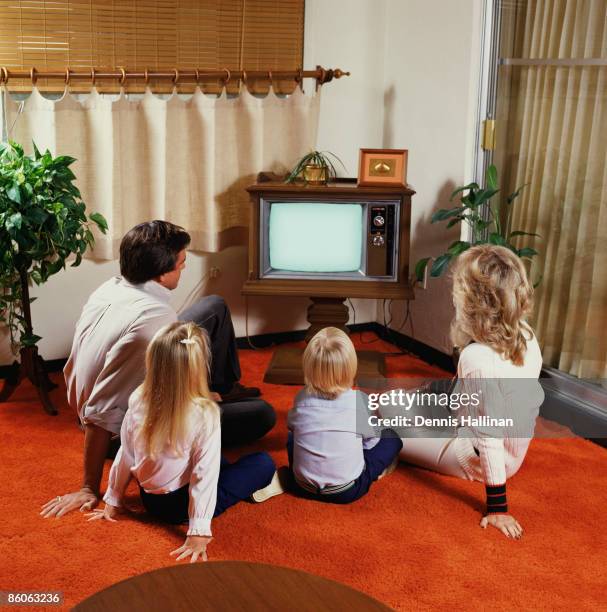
151	34
551	118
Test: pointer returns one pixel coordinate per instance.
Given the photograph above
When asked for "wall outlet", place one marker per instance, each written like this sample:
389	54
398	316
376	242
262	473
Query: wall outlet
423	284
214	272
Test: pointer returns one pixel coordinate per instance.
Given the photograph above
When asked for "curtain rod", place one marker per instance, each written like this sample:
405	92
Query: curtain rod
176	75
557	62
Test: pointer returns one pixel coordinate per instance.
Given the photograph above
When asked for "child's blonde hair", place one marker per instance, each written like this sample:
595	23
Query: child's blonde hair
175	391
492	297
329	363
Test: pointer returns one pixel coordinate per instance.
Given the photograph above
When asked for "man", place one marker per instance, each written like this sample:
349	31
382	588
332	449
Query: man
106	362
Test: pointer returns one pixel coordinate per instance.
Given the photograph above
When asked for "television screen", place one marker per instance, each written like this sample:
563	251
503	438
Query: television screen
308	237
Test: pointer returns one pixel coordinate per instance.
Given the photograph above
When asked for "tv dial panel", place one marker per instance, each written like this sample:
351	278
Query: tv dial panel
381	240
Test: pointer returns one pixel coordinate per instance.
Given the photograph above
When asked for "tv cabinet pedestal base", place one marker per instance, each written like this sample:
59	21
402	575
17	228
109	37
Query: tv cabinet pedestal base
285	367
327	312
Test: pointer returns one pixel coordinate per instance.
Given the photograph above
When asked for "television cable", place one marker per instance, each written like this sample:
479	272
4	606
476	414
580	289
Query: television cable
362	341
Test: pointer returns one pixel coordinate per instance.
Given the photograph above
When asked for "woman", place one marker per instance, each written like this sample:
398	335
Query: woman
498	370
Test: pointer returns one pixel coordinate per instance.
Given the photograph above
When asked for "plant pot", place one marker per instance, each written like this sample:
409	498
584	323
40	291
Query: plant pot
315	174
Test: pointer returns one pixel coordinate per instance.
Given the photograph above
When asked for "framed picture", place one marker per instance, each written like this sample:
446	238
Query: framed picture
382	167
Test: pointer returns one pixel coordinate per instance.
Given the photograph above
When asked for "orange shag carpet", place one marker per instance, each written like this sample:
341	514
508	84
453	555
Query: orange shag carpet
413	542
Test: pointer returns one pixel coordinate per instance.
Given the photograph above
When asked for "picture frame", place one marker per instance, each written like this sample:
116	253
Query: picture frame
382	167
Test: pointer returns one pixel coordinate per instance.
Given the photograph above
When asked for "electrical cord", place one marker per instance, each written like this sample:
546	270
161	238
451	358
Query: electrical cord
386	325
9	130
389	332
4	125
198	288
362	340
411	319
246	324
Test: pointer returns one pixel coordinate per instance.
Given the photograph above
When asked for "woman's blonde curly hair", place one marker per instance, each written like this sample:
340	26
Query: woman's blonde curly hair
493	298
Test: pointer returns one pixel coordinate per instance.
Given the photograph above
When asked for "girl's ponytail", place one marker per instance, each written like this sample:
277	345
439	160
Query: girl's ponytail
175	391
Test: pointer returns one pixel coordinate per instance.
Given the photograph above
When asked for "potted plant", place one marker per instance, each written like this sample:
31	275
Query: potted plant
492	228
315	168
42	223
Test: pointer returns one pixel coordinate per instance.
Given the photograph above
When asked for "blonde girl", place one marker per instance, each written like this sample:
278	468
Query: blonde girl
171	444
499	366
333	455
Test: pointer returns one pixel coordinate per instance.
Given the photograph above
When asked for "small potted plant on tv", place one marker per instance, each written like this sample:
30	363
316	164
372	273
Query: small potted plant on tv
315	168
42	223
494	228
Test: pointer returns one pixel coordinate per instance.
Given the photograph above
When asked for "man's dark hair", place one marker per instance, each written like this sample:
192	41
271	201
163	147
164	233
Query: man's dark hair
150	249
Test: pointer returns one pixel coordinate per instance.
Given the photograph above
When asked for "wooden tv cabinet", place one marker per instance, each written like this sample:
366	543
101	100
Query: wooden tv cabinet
327	296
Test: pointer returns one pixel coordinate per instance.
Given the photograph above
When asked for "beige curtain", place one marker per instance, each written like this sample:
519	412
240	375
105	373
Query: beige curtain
556	142
186	160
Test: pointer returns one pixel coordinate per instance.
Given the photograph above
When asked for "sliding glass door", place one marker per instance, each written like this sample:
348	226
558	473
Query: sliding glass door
550	108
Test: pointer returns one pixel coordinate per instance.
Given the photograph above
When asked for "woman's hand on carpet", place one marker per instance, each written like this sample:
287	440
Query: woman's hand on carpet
506	523
109	513
195	546
84	500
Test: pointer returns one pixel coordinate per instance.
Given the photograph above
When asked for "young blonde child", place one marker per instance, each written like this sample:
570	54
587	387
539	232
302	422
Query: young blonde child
330	460
499	366
171	443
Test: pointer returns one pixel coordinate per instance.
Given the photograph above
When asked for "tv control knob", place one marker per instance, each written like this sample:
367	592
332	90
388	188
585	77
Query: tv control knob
378	241
379	221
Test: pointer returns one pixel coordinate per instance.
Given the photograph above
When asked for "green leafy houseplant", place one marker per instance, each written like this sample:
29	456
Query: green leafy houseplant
315	167
493	228
42	223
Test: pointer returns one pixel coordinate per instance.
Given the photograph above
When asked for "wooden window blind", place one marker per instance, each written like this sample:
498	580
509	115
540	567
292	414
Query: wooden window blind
152	35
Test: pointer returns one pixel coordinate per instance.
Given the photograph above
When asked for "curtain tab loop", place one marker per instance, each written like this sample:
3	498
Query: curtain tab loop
227	79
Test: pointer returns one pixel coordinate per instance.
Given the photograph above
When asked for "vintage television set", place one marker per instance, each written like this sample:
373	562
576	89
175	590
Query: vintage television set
329	243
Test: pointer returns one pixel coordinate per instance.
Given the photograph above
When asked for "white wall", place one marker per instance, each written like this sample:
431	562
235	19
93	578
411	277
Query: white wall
61	299
349	120
348	34
413	65
430	86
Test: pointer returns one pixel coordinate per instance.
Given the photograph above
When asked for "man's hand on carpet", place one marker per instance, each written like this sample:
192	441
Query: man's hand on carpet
195	546
84	500
109	513
506	523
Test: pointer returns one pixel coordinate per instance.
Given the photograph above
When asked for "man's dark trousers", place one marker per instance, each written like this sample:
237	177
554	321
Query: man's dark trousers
241	421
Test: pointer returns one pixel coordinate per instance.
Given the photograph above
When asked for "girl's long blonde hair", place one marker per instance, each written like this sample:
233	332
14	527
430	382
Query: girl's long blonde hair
175	391
492	297
329	363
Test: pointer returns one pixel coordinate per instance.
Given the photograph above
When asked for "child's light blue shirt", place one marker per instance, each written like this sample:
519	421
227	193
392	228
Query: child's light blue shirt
329	437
